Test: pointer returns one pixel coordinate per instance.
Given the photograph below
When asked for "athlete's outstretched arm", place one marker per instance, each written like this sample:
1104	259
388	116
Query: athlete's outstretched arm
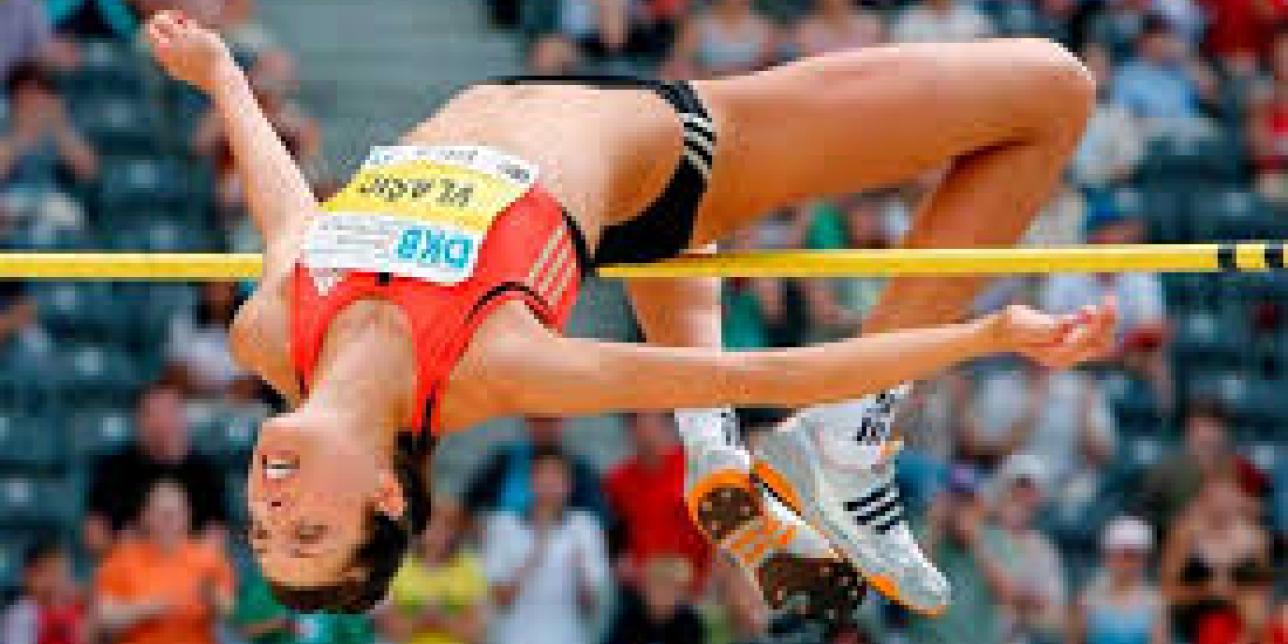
583	377
277	193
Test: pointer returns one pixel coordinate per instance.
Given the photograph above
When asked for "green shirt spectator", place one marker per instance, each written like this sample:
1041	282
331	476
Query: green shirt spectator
261	620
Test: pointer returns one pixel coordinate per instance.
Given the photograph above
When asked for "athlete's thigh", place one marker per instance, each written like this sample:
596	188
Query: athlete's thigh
869	117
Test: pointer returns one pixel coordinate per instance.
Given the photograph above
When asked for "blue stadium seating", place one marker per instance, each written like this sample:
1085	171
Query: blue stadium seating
28	443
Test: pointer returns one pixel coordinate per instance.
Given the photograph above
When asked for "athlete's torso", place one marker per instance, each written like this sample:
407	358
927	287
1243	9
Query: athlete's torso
602	166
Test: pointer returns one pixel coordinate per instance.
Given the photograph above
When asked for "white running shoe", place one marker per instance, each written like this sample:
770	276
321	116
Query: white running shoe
856	507
794	565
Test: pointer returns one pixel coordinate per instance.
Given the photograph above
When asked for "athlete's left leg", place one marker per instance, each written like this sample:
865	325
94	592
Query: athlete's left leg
790	561
1003	116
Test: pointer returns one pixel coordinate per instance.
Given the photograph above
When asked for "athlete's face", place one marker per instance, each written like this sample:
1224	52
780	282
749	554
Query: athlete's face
311	487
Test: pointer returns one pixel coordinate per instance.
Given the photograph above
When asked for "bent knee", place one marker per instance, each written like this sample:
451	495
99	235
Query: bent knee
1060	87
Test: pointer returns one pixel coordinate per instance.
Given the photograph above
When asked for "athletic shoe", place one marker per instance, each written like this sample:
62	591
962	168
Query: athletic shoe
855	507
793	564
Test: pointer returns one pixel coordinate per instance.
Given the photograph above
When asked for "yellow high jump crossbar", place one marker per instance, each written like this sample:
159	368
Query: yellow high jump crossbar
1162	258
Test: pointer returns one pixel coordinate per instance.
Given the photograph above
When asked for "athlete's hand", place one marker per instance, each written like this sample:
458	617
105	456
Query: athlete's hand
187	51
1057	341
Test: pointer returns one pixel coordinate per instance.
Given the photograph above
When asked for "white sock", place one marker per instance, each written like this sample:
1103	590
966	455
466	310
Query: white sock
706	428
855	432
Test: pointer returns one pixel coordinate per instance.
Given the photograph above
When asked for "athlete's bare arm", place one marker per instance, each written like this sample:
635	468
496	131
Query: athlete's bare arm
277	193
567	376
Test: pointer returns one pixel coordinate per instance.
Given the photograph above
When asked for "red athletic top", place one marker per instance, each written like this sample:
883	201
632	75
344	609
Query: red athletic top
532	252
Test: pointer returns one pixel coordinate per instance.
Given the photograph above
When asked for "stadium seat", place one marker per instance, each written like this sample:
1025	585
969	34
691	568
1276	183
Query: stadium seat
119	124
1164	209
13	546
1229	215
1206	341
1196	292
107	69
27	443
95	432
33	501
1179	160
144	183
227	436
96	374
83	311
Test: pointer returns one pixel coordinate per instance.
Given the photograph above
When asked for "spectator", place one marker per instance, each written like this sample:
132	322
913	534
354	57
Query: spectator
439	594
236	22
646	495
50	609
25	34
941	21
21	337
258	618
1142	314
273	80
1035	604
119	483
834	25
1216	570
1239	32
40	142
1161	84
970	551
198	342
553	55
1113	144
548	567
163	586
504	481
766	312
659	611
731	37
104	19
1121	605
1061	417
1267	125
837	306
1174	482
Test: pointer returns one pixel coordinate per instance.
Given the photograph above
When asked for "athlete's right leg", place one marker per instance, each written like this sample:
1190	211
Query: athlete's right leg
1003	116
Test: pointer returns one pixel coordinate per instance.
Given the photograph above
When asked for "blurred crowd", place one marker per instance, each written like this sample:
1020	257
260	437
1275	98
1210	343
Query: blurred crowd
1143	500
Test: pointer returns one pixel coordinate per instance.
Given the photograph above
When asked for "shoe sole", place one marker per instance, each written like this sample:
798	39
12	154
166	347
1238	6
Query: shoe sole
780	483
727	509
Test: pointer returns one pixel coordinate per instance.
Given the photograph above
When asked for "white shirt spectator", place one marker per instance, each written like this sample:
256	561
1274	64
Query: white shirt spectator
1070	410
1111	148
545	609
949	21
1140	296
203	352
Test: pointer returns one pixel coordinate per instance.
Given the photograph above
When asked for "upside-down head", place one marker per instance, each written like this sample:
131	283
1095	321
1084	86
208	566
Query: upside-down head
331	516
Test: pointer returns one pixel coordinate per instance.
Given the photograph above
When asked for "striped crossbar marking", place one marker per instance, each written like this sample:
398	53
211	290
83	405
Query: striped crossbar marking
566	277
1156	258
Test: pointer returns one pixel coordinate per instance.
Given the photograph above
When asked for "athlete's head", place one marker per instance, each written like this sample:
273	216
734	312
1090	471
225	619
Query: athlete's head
332	514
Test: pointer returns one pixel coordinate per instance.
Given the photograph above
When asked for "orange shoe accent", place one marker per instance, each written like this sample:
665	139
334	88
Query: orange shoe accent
890	590
778	483
712	482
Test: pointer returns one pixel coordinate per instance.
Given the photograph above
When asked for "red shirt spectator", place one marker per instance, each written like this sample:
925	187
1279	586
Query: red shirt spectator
646	493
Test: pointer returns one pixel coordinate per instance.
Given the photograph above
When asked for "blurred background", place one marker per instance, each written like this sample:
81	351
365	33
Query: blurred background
1142	500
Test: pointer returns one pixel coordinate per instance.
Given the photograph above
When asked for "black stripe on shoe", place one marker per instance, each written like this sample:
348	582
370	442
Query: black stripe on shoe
868	499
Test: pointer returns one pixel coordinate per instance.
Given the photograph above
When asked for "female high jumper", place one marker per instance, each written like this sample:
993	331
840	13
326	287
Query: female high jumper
426	296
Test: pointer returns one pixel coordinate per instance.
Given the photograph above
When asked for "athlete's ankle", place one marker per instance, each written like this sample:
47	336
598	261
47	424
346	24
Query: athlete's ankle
708	428
858	432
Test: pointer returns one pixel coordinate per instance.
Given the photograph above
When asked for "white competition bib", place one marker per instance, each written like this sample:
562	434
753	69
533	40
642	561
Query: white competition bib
418	212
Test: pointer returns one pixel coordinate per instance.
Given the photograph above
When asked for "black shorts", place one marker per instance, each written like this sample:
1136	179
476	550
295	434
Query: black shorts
665	228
